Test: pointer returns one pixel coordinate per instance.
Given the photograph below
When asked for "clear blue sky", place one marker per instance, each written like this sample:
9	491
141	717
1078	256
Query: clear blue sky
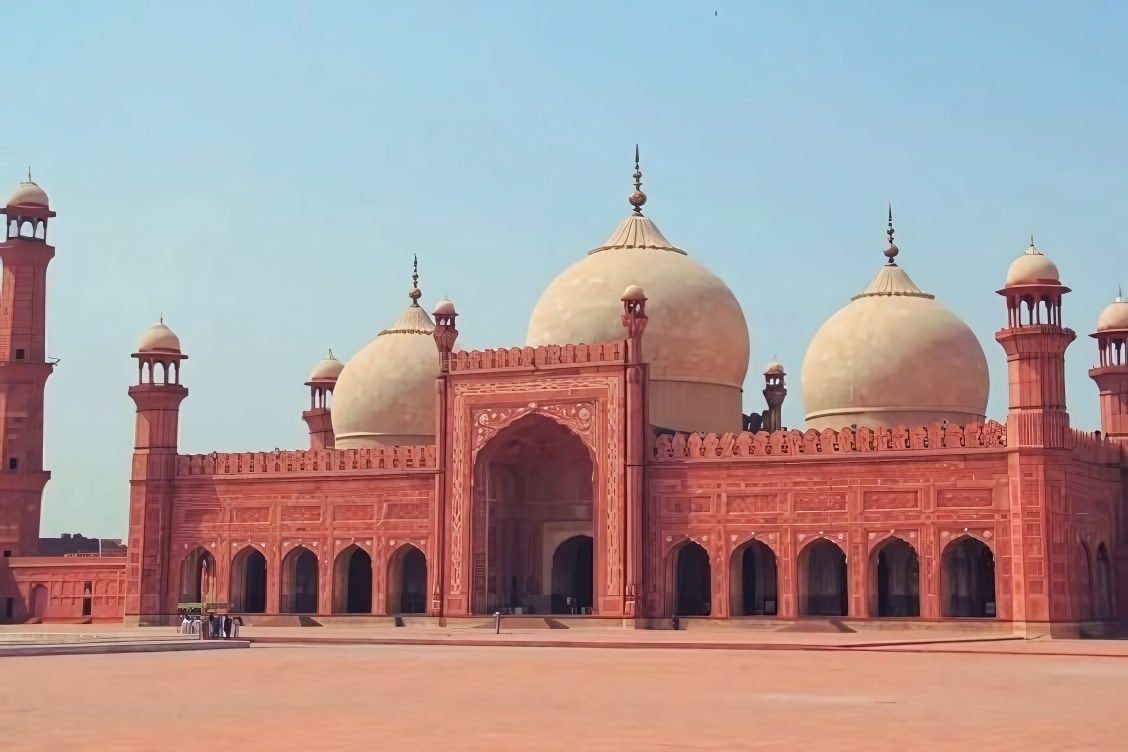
263	173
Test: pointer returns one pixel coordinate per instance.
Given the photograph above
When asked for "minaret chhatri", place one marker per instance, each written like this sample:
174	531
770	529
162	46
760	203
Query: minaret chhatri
319	416
1112	373
151	583
24	368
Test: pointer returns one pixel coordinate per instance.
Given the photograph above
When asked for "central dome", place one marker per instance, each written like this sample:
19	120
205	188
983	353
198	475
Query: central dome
696	340
894	356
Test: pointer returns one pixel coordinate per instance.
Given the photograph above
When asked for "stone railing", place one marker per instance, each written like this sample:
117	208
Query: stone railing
308	461
794	443
1089	447
528	357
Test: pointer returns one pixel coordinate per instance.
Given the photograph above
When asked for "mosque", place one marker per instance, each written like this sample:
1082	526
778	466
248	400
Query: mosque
603	469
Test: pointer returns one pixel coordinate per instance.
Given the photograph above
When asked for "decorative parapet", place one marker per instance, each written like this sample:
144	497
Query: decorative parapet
794	443
308	461
530	357
1094	448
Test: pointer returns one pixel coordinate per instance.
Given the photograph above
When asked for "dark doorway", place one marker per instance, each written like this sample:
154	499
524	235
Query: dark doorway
572	576
968	574
896	569
359	599
754	582
248	581
1103	585
410	596
822	574
299	582
693	593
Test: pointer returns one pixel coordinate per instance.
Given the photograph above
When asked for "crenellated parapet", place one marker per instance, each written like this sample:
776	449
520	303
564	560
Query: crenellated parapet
307	461
796	444
1095	448
530	357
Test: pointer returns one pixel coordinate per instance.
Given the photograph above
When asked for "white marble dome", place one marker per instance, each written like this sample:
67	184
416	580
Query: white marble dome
29	194
159	338
894	356
1032	268
696	339
1114	315
385	395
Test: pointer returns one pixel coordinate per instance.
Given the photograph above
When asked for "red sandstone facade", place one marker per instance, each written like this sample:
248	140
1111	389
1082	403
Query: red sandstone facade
548	491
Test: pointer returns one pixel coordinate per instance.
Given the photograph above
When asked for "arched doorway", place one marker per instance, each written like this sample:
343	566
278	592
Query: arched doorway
572	576
693	595
894	579
352	581
40	599
753	578
407	582
533	487
822	580
299	582
968	579
1103	585
1083	591
248	581
197	577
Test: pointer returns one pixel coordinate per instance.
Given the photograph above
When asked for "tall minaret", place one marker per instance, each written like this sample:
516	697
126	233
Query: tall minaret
775	390
23	367
319	416
1112	374
151	585
1032	577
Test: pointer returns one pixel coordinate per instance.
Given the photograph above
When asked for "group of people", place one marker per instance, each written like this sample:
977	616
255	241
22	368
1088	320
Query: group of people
213	627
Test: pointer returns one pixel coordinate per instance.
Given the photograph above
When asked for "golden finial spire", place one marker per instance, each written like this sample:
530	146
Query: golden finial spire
638	198
415	294
891	249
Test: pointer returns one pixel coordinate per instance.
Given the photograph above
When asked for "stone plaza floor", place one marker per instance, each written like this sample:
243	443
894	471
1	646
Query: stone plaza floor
316	695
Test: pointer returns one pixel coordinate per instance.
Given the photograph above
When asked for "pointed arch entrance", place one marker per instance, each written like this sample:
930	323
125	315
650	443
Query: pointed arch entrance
352	581
967	572
822	580
894	579
572	576
299	582
533	490
753	578
197	577
248	581
1102	585
407	581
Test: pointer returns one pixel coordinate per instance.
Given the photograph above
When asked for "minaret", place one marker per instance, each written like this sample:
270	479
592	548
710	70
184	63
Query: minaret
774	392
151	584
1032	578
445	334
24	368
637	423
319	416
1112	373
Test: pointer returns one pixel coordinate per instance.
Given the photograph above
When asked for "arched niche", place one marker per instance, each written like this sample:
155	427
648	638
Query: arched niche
299	581
406	581
753	580
352	581
690	591
967	578
198	577
894	571
248	581
823	582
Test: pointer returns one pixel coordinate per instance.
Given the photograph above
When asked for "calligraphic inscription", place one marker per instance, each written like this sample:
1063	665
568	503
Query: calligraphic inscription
354	512
880	500
252	514
398	510
301	514
822	501
753	504
959	498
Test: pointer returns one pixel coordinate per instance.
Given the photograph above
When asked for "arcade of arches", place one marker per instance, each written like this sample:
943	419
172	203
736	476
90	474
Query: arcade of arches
533	534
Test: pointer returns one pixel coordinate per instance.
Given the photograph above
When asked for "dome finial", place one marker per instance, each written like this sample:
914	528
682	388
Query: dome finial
415	293
1032	251
891	249
638	198
29	174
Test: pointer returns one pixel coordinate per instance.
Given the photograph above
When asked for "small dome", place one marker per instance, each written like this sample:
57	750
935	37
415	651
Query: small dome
385	394
444	307
774	368
894	356
327	370
633	293
29	194
159	338
1114	315
1032	268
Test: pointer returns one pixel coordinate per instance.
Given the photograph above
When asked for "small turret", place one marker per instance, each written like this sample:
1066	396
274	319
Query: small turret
319	416
1112	373
774	392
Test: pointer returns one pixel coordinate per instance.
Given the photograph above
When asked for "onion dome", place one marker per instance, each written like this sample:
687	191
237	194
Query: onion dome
1114	315
1032	268
444	307
696	340
385	395
327	370
159	338
774	368
894	356
29	194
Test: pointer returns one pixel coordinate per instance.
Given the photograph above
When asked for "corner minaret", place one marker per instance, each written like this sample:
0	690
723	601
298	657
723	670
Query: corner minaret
319	416
637	422
151	587
1035	343
24	368
1112	373
775	390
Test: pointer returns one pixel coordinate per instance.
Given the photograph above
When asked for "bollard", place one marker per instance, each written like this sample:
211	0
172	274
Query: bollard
497	622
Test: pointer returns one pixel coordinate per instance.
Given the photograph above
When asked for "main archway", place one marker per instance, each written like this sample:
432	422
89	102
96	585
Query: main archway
248	581
967	571
534	489
299	582
822	580
894	579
